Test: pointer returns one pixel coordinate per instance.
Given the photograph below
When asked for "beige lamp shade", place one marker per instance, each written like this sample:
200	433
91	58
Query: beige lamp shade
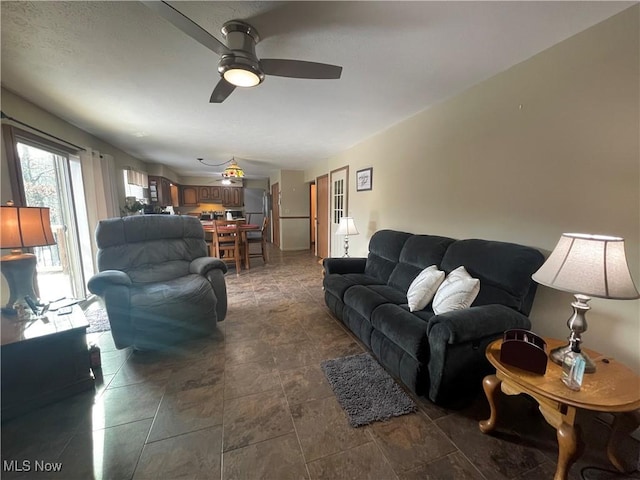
593	265
347	227
25	227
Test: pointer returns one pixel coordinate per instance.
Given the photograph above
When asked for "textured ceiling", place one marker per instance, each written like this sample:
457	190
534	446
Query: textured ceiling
124	74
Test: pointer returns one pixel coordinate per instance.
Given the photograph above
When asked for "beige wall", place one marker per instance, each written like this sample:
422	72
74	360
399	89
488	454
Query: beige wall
294	209
548	146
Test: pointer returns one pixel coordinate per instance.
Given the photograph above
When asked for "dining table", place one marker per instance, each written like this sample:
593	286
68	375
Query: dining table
231	227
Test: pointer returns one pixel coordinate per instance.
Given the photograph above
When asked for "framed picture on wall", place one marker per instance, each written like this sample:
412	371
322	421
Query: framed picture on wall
364	179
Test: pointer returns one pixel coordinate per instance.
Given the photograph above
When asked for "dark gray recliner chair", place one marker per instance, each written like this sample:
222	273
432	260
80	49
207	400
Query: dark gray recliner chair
156	280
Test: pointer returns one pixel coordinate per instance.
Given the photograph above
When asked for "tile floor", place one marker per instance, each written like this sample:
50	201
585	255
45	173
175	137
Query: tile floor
252	402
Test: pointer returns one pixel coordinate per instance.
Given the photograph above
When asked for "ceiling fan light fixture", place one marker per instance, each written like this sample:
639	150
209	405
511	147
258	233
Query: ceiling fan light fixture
240	70
241	77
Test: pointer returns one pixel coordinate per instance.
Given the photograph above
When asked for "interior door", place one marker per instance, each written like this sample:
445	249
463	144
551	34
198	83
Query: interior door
339	203
314	215
275	221
322	231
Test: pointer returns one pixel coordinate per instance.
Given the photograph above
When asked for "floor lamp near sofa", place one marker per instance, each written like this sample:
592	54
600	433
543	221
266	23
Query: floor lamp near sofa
22	227
587	266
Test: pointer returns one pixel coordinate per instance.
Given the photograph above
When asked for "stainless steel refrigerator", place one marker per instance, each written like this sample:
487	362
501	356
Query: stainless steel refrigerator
257	203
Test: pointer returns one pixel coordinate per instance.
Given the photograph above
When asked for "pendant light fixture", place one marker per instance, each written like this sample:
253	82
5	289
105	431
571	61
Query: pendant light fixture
233	171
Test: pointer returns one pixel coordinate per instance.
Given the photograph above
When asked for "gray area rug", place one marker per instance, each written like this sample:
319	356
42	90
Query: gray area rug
365	390
97	318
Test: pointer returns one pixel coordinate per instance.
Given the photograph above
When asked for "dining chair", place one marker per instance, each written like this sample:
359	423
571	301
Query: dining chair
227	241
259	239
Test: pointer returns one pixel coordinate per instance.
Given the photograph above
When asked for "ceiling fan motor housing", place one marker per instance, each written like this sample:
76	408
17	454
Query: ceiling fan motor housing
241	40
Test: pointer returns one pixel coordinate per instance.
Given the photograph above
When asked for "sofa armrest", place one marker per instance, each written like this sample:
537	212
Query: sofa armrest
476	322
202	265
344	265
100	281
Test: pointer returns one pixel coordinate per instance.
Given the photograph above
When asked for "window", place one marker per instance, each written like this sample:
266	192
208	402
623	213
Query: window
136	185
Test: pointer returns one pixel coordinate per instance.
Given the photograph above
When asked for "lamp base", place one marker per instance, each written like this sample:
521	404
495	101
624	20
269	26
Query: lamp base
19	269
557	356
577	323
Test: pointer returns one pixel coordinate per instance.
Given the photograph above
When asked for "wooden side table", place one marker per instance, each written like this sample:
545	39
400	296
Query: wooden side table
612	388
43	360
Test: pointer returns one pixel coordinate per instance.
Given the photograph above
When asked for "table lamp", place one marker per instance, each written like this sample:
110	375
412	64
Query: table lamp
347	227
588	266
22	227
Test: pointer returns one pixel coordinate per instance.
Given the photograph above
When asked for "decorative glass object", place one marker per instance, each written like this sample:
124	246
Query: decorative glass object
573	365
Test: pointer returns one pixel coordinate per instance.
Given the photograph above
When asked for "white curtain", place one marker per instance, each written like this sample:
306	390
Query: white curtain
101	191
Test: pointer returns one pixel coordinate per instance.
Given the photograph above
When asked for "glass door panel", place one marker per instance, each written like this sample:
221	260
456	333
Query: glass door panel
46	180
339	194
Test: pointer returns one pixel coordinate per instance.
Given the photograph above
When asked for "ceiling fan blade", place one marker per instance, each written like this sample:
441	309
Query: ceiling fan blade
222	91
188	26
299	69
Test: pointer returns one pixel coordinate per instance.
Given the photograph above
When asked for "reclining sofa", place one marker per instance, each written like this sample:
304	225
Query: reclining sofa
439	355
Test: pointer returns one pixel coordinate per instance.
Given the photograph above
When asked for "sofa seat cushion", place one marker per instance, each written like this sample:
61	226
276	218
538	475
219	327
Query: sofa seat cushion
405	329
182	298
336	284
426	314
364	300
391	294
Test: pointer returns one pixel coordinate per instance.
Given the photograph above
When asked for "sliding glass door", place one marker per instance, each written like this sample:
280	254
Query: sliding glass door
46	178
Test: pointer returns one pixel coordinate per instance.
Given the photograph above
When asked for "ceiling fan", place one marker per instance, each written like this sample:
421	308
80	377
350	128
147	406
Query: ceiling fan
239	66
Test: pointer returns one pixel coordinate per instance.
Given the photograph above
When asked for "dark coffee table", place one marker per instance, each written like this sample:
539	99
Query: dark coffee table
43	360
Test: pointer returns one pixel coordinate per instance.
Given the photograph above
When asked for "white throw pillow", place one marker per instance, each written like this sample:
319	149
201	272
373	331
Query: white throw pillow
457	292
424	287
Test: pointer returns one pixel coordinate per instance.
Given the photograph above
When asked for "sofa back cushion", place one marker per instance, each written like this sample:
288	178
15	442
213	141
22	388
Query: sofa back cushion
504	270
418	253
384	253
150	248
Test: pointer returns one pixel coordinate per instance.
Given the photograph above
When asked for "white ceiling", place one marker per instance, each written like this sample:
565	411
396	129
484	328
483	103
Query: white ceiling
126	75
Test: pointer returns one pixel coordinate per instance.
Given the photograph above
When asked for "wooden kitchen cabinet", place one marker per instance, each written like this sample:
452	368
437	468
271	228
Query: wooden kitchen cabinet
189	196
232	196
204	194
210	194
216	194
160	191
165	192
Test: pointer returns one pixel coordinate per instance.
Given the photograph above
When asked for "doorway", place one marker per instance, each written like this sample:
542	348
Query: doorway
45	175
322	216
339	203
313	217
275	208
